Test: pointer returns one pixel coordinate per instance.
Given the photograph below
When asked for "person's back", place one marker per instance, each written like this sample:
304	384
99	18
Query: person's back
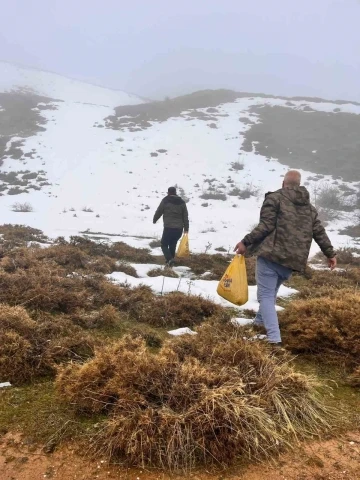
173	208
176	220
295	226
282	241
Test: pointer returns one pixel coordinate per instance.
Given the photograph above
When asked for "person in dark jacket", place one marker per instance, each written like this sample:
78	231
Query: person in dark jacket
176	220
281	242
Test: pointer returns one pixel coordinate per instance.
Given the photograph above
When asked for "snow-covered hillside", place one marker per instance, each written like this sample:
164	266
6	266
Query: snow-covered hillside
14	78
80	176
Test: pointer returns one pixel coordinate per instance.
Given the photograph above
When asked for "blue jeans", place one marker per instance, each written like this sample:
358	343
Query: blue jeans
269	278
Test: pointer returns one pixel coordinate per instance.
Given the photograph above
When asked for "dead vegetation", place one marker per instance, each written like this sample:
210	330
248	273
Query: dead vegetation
165	272
30	348
205	400
328	326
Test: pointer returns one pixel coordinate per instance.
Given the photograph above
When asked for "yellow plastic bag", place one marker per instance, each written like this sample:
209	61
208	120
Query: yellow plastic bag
183	250
233	286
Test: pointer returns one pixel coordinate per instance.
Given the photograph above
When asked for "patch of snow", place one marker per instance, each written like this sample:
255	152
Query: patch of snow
241	322
5	384
182	331
204	288
322	267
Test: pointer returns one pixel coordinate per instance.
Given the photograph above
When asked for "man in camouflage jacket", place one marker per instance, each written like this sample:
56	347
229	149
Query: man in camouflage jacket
176	220
282	241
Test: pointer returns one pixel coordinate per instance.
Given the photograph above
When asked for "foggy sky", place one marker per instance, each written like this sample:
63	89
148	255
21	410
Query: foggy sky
156	48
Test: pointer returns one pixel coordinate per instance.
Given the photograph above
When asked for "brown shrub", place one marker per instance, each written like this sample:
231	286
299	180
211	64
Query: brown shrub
22	258
106	317
165	272
329	326
104	265
20	235
319	283
225	399
43	288
117	250
126	268
170	310
31	348
179	310
344	256
354	378
16	358
122	251
65	256
201	263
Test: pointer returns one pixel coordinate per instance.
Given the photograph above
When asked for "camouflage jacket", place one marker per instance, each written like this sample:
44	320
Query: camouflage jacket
174	211
288	224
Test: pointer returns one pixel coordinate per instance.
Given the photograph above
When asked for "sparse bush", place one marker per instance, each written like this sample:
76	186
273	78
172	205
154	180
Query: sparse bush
352	231
30	349
125	268
165	272
22	207
328	326
244	192
235	192
155	244
20	235
30	176
237	166
87	209
182	194
348	256
16	191
215	195
210	399
329	197
106	317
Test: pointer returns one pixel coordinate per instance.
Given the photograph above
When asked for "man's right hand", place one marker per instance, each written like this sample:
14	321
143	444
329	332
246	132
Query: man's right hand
332	262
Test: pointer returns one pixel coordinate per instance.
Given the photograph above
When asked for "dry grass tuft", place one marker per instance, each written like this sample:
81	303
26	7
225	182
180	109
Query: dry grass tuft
20	235
165	272
354	378
31	348
328	326
206	400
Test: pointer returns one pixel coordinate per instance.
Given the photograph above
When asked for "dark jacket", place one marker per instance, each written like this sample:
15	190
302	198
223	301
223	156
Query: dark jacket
175	213
288	224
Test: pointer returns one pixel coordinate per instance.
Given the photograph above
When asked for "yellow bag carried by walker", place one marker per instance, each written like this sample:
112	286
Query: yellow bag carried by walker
183	250
233	286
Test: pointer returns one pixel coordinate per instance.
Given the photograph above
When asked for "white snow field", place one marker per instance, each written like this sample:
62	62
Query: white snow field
47	84
113	175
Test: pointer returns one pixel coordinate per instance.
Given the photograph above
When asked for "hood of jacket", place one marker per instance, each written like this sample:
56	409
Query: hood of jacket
174	199
297	195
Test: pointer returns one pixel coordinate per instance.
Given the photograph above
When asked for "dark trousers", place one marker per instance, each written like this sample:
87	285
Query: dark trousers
169	240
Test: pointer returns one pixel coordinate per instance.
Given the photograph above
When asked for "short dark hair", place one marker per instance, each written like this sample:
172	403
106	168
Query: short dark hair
172	191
